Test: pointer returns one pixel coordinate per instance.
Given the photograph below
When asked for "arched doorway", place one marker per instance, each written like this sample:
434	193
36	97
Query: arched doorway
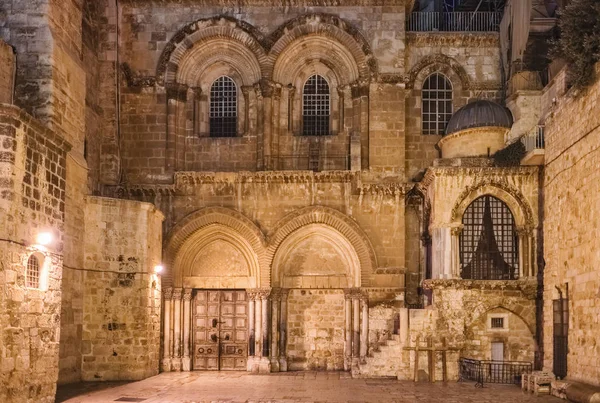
317	266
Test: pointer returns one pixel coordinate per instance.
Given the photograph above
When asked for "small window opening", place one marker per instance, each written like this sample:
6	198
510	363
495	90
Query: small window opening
497	323
33	272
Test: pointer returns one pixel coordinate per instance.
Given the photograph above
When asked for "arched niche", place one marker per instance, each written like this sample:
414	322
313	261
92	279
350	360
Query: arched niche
216	257
201	233
316	256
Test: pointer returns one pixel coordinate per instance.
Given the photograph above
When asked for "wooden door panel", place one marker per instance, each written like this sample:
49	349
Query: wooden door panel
220	330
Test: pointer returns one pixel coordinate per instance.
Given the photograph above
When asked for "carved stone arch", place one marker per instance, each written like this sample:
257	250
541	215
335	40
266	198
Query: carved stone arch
217	28
329	31
439	63
512	197
508	305
337	221
215	57
206	225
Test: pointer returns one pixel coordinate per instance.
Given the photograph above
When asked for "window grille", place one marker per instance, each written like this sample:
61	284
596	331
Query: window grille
33	272
315	107
223	108
497	323
436	108
489	241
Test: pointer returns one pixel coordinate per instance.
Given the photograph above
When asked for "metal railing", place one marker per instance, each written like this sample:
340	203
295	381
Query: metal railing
485	371
534	140
461	21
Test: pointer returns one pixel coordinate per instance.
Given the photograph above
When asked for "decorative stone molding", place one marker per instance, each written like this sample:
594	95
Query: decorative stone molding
387	189
135	81
184	179
168	293
333	218
263	293
442	63
500	188
453	39
218	26
528	287
177	91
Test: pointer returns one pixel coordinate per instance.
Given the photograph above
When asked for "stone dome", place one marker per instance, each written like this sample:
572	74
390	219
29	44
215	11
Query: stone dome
481	113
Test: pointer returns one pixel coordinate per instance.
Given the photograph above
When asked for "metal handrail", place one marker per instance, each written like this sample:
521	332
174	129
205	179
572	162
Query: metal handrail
534	140
460	21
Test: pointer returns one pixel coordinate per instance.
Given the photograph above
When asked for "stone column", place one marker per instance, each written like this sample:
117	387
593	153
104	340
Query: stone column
265	323
274	328
246	93
258	326
348	329
522	252
455	246
251	324
167	354
532	253
355	326
176	98
275	124
283	331
364	329
360	105
260	139
266	88
176	361
186	362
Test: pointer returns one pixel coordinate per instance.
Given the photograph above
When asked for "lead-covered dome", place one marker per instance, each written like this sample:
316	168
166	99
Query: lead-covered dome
481	113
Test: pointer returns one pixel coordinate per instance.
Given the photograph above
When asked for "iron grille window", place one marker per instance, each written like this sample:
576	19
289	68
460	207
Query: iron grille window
436	108
489	241
497	323
33	272
223	108
315	107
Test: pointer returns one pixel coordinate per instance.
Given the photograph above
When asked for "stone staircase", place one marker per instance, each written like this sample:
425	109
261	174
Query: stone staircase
387	361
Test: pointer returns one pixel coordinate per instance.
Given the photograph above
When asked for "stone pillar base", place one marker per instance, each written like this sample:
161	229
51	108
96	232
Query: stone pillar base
264	365
347	363
283	364
176	364
275	364
253	365
186	364
166	365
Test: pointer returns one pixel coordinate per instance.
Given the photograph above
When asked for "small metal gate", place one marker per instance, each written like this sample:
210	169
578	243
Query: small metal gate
220	330
561	336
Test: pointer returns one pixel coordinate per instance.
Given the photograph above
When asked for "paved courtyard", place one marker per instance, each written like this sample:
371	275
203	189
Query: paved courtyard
291	387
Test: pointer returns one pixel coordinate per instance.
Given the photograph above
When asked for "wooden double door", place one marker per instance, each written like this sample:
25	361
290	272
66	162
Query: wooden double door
220	330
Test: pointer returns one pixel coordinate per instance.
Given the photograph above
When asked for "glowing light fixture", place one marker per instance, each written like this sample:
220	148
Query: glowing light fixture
44	238
158	268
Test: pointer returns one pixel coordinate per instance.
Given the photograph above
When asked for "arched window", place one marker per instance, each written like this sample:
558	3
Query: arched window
32	276
223	108
436	108
315	107
489	242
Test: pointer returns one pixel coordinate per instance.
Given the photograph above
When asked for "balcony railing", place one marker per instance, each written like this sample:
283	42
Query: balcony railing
483	371
534	140
454	22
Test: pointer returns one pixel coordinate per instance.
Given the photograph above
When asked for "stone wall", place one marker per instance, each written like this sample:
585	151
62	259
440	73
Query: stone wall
122	298
571	227
7	73
32	200
316	330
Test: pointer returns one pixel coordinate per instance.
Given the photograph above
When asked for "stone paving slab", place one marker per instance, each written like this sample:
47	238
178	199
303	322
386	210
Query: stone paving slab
290	387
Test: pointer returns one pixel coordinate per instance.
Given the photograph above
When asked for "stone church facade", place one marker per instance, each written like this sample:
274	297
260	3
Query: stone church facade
322	185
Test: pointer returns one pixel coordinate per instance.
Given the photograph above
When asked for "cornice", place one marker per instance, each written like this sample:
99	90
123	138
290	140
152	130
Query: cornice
527	286
453	39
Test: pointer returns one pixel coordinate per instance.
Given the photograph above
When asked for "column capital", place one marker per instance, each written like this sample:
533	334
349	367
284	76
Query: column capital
177	91
456	231
353	293
177	293
187	294
168	293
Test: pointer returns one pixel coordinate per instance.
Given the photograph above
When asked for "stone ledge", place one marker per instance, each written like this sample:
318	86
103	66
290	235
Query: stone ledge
525	285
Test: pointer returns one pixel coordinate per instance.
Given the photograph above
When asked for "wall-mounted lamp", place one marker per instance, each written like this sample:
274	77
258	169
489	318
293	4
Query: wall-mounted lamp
158	269
44	238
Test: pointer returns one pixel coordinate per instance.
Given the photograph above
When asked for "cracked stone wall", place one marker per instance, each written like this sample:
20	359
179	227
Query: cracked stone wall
571	228
122	298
